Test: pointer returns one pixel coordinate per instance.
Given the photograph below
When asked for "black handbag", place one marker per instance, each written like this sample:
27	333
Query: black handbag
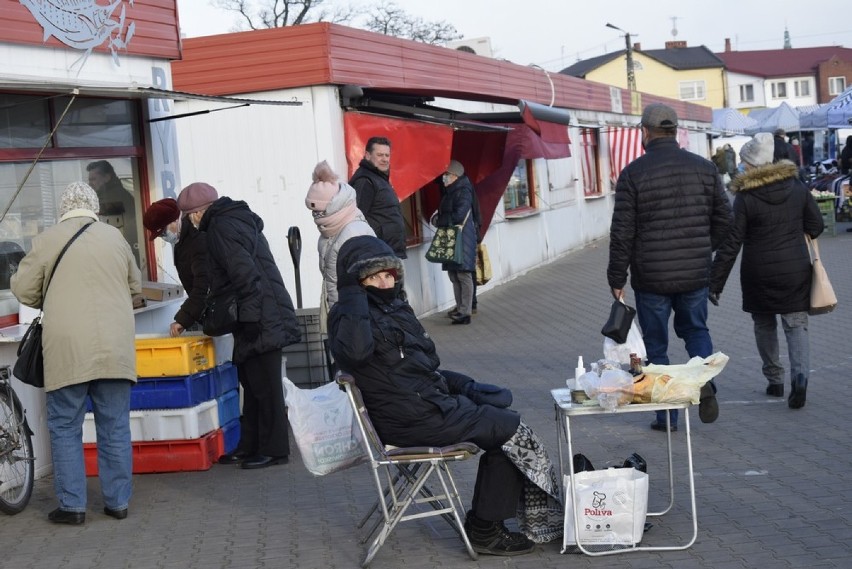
221	314
618	324
29	367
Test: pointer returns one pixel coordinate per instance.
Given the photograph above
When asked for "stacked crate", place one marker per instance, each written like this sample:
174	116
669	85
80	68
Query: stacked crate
826	208
307	362
184	408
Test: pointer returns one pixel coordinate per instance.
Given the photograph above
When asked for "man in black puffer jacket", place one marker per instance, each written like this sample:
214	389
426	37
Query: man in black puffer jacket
376	197
670	214
239	258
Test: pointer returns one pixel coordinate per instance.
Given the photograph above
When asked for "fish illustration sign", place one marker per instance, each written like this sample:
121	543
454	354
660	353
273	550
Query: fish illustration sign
84	24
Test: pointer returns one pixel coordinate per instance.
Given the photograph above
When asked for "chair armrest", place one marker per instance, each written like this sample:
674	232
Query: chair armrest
343	378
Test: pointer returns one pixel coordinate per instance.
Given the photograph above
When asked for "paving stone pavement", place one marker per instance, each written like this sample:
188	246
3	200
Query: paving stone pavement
773	485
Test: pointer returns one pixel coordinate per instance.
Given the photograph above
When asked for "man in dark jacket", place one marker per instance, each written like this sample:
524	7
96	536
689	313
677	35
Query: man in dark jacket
670	214
163	220
376	197
239	259
783	149
456	208
773	211
375	336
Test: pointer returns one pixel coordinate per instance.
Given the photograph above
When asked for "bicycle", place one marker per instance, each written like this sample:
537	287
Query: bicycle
17	463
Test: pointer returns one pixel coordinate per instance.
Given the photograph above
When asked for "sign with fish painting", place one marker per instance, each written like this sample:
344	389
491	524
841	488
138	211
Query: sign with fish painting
117	27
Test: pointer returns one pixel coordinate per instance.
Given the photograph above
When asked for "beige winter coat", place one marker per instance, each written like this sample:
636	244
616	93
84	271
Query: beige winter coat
89	328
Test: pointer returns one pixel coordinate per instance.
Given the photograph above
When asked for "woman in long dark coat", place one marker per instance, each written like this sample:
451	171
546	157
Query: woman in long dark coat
456	208
773	211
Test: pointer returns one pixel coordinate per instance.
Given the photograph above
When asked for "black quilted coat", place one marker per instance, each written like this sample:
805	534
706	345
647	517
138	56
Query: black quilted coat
670	214
239	257
382	344
455	208
378	202
772	212
191	264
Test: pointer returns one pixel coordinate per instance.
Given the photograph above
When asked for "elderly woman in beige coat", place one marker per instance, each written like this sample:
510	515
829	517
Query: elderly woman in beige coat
88	338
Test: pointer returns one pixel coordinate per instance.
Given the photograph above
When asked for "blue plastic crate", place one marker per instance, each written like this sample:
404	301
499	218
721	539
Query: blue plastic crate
231	435
223	378
229	406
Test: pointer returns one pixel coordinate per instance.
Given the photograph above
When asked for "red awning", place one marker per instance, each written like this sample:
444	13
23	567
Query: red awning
420	151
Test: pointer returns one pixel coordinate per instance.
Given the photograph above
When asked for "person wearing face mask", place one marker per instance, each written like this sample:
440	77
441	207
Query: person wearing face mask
456	208
239	260
670	214
375	336
162	219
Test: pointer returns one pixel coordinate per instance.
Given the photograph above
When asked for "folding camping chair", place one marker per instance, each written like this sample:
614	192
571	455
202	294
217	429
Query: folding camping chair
406	473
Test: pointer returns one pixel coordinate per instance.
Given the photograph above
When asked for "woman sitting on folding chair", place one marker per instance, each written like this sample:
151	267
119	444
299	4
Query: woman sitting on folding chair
376	337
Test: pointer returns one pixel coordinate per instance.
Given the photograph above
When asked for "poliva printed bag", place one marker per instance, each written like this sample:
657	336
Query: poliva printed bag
611	507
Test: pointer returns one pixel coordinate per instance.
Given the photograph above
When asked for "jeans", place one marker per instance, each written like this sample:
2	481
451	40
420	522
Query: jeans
690	325
463	290
66	408
795	325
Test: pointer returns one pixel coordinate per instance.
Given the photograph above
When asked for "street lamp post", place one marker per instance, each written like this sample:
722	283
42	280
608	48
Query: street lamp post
631	76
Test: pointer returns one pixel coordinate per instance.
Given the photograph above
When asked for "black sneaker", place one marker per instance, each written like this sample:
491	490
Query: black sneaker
493	538
775	390
708	407
661	426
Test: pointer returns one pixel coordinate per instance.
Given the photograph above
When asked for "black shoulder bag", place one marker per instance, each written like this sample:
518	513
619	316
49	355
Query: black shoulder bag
29	367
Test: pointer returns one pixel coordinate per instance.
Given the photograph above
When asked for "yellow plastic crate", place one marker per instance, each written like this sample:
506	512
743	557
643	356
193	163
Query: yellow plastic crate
167	357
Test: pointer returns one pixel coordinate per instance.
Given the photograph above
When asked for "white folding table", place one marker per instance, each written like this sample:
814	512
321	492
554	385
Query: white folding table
566	410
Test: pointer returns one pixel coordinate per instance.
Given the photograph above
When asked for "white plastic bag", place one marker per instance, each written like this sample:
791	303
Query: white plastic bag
621	352
612	505
612	388
324	427
682	383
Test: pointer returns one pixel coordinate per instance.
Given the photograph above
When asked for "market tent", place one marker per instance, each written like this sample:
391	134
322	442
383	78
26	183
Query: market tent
729	122
783	116
814	118
839	114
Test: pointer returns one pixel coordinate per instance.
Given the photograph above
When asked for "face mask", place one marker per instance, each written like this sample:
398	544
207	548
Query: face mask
445	179
169	237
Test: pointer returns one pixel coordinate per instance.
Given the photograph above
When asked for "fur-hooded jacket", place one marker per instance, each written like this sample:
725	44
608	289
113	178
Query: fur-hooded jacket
772	212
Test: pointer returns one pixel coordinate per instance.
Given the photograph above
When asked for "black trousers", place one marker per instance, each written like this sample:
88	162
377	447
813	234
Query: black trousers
498	487
263	424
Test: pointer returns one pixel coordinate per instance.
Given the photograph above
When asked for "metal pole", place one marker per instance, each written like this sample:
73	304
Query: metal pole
631	76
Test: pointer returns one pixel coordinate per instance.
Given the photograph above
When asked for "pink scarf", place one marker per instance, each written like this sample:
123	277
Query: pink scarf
331	224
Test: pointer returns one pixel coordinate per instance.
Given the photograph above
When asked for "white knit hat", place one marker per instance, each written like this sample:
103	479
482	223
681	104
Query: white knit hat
78	195
759	150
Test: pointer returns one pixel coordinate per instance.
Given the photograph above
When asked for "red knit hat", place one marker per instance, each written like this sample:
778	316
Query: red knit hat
159	215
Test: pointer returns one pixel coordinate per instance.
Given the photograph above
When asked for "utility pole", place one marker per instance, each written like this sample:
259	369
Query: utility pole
631	76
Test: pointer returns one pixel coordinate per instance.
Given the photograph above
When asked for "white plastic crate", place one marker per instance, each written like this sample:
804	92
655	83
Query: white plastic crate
165	424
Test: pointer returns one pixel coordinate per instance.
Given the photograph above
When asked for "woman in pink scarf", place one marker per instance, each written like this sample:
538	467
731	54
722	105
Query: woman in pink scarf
338	219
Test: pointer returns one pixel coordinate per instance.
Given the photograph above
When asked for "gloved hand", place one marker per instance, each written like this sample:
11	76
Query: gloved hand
347	279
487	394
250	330
714	297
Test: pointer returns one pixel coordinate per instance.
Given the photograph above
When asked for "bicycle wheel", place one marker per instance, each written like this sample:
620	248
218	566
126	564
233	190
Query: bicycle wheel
17	466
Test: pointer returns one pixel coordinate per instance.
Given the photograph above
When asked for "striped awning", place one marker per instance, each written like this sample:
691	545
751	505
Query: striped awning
839	114
625	146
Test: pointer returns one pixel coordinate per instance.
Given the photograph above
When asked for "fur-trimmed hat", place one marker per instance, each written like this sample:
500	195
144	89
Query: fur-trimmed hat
759	150
159	215
196	196
78	195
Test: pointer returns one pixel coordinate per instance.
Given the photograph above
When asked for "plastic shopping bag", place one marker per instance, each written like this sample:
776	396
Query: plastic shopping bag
612	387
324	427
611	507
677	383
621	352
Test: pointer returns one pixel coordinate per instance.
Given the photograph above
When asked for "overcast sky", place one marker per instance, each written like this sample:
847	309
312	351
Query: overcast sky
555	33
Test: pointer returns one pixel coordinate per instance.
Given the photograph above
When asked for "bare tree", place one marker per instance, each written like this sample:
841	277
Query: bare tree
385	18
261	14
389	19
